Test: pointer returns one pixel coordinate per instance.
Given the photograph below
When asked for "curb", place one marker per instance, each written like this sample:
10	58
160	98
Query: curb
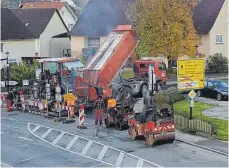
203	147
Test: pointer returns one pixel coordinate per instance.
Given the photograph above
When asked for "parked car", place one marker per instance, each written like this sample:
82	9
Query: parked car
214	89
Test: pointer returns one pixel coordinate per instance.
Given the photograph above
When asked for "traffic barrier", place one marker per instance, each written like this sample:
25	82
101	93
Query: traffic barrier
3	100
61	106
81	117
39	107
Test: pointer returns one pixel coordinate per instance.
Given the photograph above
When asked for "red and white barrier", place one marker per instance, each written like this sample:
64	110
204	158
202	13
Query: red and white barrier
3	100
22	100
81	117
38	107
60	106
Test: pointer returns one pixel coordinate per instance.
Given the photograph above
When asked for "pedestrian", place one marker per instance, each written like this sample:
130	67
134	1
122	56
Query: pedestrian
99	107
10	99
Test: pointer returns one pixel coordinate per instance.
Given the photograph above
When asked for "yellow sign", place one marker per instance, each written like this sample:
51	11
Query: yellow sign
69	97
190	74
192	94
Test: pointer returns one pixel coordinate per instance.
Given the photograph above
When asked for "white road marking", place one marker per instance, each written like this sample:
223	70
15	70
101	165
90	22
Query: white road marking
72	142
36	128
85	149
102	153
119	160
26	138
46	133
58	138
6	165
140	163
8	118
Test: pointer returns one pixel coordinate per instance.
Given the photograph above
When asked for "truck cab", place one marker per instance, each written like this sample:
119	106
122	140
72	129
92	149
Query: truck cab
141	67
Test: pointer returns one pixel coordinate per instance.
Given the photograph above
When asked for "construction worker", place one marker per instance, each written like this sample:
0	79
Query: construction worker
70	99
99	107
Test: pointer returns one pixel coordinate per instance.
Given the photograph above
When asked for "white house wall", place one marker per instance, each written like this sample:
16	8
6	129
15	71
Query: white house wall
53	47
67	16
220	27
19	48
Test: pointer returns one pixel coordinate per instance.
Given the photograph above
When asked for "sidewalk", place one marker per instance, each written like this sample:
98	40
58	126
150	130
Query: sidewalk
214	144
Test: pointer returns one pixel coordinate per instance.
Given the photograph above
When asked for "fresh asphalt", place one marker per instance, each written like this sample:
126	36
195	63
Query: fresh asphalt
20	148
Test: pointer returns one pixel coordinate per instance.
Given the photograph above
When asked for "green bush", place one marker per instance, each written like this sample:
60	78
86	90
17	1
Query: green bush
162	97
217	64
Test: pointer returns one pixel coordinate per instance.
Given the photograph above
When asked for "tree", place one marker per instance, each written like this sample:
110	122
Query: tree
164	27
23	71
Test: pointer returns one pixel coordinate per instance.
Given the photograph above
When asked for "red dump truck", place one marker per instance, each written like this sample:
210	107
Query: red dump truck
106	63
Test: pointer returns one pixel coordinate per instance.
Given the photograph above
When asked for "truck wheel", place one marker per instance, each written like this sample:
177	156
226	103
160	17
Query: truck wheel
143	89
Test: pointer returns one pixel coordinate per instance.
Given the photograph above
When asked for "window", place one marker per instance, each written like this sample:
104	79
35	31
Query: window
219	38
2	47
210	84
205	84
162	66
93	42
144	65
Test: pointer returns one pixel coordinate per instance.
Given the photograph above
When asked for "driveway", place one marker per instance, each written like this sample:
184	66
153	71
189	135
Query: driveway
219	111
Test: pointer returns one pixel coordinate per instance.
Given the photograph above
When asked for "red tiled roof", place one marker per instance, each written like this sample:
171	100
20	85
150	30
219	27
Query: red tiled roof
44	5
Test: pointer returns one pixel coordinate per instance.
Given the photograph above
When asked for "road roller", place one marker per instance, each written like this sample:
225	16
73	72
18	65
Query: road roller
155	122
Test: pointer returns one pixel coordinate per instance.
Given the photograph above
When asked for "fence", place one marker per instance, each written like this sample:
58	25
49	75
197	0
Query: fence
194	125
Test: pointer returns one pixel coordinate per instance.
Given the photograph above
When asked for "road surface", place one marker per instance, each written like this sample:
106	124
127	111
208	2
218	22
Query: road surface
32	141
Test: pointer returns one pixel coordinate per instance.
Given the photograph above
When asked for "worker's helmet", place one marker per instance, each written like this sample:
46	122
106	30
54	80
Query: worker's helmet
111	103
70	91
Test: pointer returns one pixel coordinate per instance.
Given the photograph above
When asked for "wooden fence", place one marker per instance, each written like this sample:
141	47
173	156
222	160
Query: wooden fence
194	124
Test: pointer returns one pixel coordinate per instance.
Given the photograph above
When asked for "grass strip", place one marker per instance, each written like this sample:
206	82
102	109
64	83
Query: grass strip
221	125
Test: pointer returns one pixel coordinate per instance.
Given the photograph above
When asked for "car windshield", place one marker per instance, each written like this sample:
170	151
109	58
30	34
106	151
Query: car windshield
220	84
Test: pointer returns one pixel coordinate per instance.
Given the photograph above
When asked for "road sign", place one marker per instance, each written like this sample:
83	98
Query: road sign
3	84
11	83
38	71
192	94
25	82
190	74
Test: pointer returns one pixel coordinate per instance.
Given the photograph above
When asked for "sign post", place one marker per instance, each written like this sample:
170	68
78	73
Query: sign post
191	94
190	76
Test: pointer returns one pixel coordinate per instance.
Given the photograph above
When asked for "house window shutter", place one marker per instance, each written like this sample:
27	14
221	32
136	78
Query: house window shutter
93	42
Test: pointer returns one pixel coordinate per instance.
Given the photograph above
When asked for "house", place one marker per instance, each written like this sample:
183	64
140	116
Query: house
31	33
66	11
98	19
210	19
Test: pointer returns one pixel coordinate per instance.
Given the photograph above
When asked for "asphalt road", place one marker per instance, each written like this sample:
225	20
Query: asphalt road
29	140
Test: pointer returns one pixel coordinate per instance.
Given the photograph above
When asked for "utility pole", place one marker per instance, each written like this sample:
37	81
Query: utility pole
7	70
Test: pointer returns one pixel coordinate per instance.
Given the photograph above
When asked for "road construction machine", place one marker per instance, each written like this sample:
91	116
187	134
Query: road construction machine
117	114
105	65
155	121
